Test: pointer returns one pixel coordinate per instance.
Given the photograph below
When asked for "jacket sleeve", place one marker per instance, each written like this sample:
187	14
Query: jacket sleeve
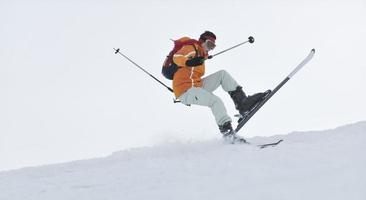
185	53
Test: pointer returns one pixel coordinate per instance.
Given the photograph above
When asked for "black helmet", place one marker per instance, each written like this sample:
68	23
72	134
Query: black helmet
207	35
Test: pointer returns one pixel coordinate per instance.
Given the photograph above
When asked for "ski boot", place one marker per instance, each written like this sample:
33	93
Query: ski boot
244	103
229	135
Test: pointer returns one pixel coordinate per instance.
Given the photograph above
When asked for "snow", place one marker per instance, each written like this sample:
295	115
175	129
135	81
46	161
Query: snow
327	164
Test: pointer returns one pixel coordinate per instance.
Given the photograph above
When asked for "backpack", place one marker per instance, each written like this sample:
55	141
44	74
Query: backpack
169	67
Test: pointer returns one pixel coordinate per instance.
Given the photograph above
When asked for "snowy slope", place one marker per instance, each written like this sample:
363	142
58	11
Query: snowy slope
327	164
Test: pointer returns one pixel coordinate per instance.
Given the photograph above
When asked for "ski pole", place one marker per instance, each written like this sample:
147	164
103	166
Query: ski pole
250	40
117	51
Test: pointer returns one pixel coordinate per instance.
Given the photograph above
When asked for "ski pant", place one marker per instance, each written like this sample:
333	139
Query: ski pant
203	96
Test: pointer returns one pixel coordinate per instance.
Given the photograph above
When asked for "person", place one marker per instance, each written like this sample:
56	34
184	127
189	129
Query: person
190	88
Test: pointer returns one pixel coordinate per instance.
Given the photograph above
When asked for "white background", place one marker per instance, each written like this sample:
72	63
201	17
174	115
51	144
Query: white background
65	95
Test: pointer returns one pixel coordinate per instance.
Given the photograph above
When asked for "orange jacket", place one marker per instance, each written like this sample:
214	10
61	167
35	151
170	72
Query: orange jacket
187	77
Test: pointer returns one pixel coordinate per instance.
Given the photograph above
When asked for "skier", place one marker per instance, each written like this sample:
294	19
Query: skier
190	88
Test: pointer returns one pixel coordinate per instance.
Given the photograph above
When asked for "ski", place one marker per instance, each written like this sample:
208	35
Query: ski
262	146
245	118
243	141
250	114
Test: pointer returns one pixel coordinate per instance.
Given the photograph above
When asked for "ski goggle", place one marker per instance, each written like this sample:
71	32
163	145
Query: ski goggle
210	44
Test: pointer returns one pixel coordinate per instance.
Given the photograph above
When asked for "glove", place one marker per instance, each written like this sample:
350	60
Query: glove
195	61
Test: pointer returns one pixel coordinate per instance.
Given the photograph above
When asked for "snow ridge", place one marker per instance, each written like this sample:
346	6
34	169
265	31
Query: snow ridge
326	164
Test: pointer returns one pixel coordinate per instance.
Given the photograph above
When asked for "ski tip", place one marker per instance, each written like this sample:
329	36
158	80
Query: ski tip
313	50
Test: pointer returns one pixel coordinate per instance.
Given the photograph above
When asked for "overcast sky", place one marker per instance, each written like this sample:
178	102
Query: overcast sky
65	95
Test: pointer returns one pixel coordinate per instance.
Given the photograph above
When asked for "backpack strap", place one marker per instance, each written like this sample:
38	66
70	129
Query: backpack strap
195	49
197	52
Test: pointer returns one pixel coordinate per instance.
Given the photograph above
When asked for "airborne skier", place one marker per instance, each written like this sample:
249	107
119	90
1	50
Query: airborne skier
185	65
190	88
